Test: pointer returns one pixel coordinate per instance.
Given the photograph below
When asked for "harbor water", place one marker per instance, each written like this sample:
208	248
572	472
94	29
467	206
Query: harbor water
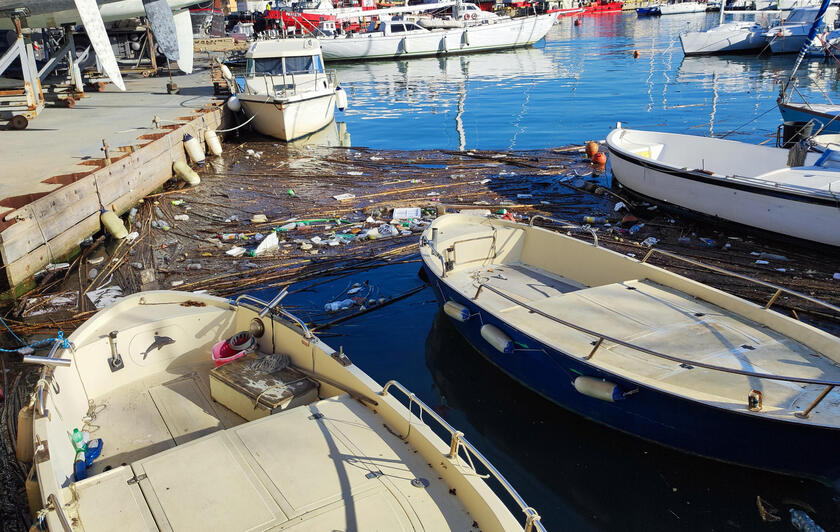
572	87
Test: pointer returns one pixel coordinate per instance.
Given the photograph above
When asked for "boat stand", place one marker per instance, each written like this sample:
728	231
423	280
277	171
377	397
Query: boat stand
18	106
73	88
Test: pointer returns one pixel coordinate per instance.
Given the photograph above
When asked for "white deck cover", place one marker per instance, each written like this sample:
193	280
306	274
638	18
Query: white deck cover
309	468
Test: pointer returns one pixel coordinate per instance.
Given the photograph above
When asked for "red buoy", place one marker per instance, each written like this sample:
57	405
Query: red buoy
635	54
599	158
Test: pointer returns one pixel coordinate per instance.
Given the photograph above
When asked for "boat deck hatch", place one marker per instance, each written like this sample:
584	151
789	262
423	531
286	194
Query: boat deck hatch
342	470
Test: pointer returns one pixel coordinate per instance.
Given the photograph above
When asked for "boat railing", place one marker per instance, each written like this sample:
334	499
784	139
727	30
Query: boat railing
567	225
280	310
62	517
602	337
48	362
458	442
779	290
296	85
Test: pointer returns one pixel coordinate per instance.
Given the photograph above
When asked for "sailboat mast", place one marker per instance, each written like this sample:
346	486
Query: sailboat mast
811	34
722	9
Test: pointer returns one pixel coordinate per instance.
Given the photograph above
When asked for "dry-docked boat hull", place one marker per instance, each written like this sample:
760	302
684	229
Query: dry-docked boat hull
778	210
516	32
290	120
541	357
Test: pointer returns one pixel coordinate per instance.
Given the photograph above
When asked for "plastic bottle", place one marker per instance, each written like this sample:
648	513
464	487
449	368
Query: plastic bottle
227	236
194	266
182	217
636	228
78	440
595	219
338	305
416	181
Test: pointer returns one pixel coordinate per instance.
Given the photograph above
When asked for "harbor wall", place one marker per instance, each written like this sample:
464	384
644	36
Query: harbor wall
46	227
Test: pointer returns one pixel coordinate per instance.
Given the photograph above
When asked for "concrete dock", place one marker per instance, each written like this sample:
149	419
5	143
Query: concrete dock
55	179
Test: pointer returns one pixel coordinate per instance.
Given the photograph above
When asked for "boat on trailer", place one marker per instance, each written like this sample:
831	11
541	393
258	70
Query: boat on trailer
276	431
745	183
639	348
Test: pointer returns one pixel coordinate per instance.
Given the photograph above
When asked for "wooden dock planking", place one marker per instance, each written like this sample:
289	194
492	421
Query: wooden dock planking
53	225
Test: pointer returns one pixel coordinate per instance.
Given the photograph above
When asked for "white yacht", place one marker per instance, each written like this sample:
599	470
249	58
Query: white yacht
286	91
730	37
680	8
472	30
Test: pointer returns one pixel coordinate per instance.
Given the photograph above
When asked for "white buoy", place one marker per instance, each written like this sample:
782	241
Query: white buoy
183	170
112	223
497	338
456	311
214	145
226	72
234	104
194	150
598	388
340	98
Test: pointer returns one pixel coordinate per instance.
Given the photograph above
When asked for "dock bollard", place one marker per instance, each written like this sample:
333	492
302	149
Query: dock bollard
183	171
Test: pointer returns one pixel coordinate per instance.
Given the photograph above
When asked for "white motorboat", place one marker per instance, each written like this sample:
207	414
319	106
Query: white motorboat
133	426
731	37
286	90
744	183
399	39
680	8
787	5
791	35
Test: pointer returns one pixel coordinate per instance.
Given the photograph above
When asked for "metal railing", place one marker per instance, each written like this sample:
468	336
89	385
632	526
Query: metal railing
433	250
601	337
779	289
306	332
532	518
295	87
62	517
567	225
42	381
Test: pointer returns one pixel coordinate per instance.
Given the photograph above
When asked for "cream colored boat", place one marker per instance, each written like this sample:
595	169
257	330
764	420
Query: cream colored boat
642	349
249	445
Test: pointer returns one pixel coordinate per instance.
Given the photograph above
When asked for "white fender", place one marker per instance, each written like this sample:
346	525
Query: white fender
599	389
234	104
340	98
456	311
194	150
214	146
497	338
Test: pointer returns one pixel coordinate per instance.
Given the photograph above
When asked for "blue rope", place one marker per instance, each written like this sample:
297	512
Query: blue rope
12	332
34	345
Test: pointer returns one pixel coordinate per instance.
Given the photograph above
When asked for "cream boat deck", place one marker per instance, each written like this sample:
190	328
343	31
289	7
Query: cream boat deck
664	320
331	465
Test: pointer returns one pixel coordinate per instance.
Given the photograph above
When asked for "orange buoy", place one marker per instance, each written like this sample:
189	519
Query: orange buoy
591	148
599	158
635	54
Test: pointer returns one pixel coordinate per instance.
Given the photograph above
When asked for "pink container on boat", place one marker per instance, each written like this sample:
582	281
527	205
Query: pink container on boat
237	346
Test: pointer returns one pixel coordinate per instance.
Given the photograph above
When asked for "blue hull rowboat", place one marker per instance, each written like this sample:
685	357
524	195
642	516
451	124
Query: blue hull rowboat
651	11
709	394
826	117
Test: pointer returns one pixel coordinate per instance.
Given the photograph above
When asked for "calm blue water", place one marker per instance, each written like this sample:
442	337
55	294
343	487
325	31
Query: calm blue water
573	87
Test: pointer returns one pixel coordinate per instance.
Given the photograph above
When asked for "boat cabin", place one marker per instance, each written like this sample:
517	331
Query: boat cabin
392	27
284	57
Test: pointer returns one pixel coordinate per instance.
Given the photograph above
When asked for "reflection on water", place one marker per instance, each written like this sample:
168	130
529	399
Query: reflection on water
573	86
580	475
334	134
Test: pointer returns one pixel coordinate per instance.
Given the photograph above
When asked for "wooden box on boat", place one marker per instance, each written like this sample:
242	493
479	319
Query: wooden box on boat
253	393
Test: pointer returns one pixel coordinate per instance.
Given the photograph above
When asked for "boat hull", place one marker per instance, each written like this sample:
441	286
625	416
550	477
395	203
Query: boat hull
824	122
523	31
290	120
721	41
788	44
779	212
648	413
682	8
